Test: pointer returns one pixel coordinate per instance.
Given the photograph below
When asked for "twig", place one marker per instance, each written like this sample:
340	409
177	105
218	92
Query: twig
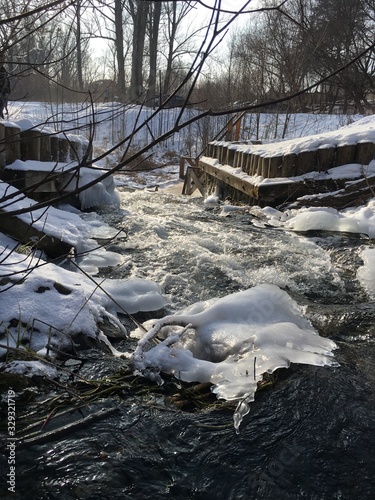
47	436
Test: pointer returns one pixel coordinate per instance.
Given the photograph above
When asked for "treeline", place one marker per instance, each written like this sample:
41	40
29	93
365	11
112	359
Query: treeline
54	50
287	48
152	49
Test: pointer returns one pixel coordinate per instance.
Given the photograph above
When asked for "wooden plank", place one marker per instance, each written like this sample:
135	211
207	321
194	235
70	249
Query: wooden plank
190	160
230	157
237	159
193	181
289	168
263	166
45	147
238	129
247	160
228	178
243	159
30	145
182	168
12	144
221	153
197	181
326	158
345	154
275	164
254	164
251	164
307	161
2	147
364	153
64	150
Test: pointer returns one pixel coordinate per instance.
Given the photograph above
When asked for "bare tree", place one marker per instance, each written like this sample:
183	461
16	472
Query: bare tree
139	11
176	13
154	25
79	46
340	29
119	43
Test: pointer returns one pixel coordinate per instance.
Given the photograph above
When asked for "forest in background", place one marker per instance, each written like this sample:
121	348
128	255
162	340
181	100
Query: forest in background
311	55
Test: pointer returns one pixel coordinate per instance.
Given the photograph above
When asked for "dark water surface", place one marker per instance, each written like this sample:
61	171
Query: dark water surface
311	435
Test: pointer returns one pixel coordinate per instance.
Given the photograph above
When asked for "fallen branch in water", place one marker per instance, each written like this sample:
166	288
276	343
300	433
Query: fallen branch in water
47	436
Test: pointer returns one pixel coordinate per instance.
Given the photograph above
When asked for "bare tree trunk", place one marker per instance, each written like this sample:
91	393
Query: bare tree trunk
154	35
79	47
139	12
119	37
172	35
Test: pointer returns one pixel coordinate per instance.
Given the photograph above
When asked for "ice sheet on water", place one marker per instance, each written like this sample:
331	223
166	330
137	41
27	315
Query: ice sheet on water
134	295
231	342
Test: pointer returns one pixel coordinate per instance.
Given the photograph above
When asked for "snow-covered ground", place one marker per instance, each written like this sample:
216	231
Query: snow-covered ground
44	305
112	122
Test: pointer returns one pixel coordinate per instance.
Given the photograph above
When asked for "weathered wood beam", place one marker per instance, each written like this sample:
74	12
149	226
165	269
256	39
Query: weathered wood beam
276	193
190	160
231	179
193	181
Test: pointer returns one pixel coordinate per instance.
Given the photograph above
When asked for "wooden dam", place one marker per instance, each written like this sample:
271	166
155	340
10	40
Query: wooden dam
34	144
279	173
48	173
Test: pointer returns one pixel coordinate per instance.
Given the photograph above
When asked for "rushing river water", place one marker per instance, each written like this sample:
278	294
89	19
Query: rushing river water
309	436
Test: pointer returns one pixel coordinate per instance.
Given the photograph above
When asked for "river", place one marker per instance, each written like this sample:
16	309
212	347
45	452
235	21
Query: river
311	435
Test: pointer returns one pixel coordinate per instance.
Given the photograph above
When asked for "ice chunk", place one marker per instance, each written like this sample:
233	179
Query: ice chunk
134	295
101	193
366	273
231	342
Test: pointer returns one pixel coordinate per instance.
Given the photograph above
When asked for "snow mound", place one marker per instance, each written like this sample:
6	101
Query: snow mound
54	305
231	342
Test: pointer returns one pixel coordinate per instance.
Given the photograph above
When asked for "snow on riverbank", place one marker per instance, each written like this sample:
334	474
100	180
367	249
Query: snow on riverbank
114	121
45	306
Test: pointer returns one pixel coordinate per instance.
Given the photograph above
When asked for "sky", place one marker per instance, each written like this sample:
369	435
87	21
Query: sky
58	302
231	5
199	15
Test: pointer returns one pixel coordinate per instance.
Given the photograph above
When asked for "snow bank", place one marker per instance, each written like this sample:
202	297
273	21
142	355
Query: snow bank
102	193
51	305
359	220
68	226
231	342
